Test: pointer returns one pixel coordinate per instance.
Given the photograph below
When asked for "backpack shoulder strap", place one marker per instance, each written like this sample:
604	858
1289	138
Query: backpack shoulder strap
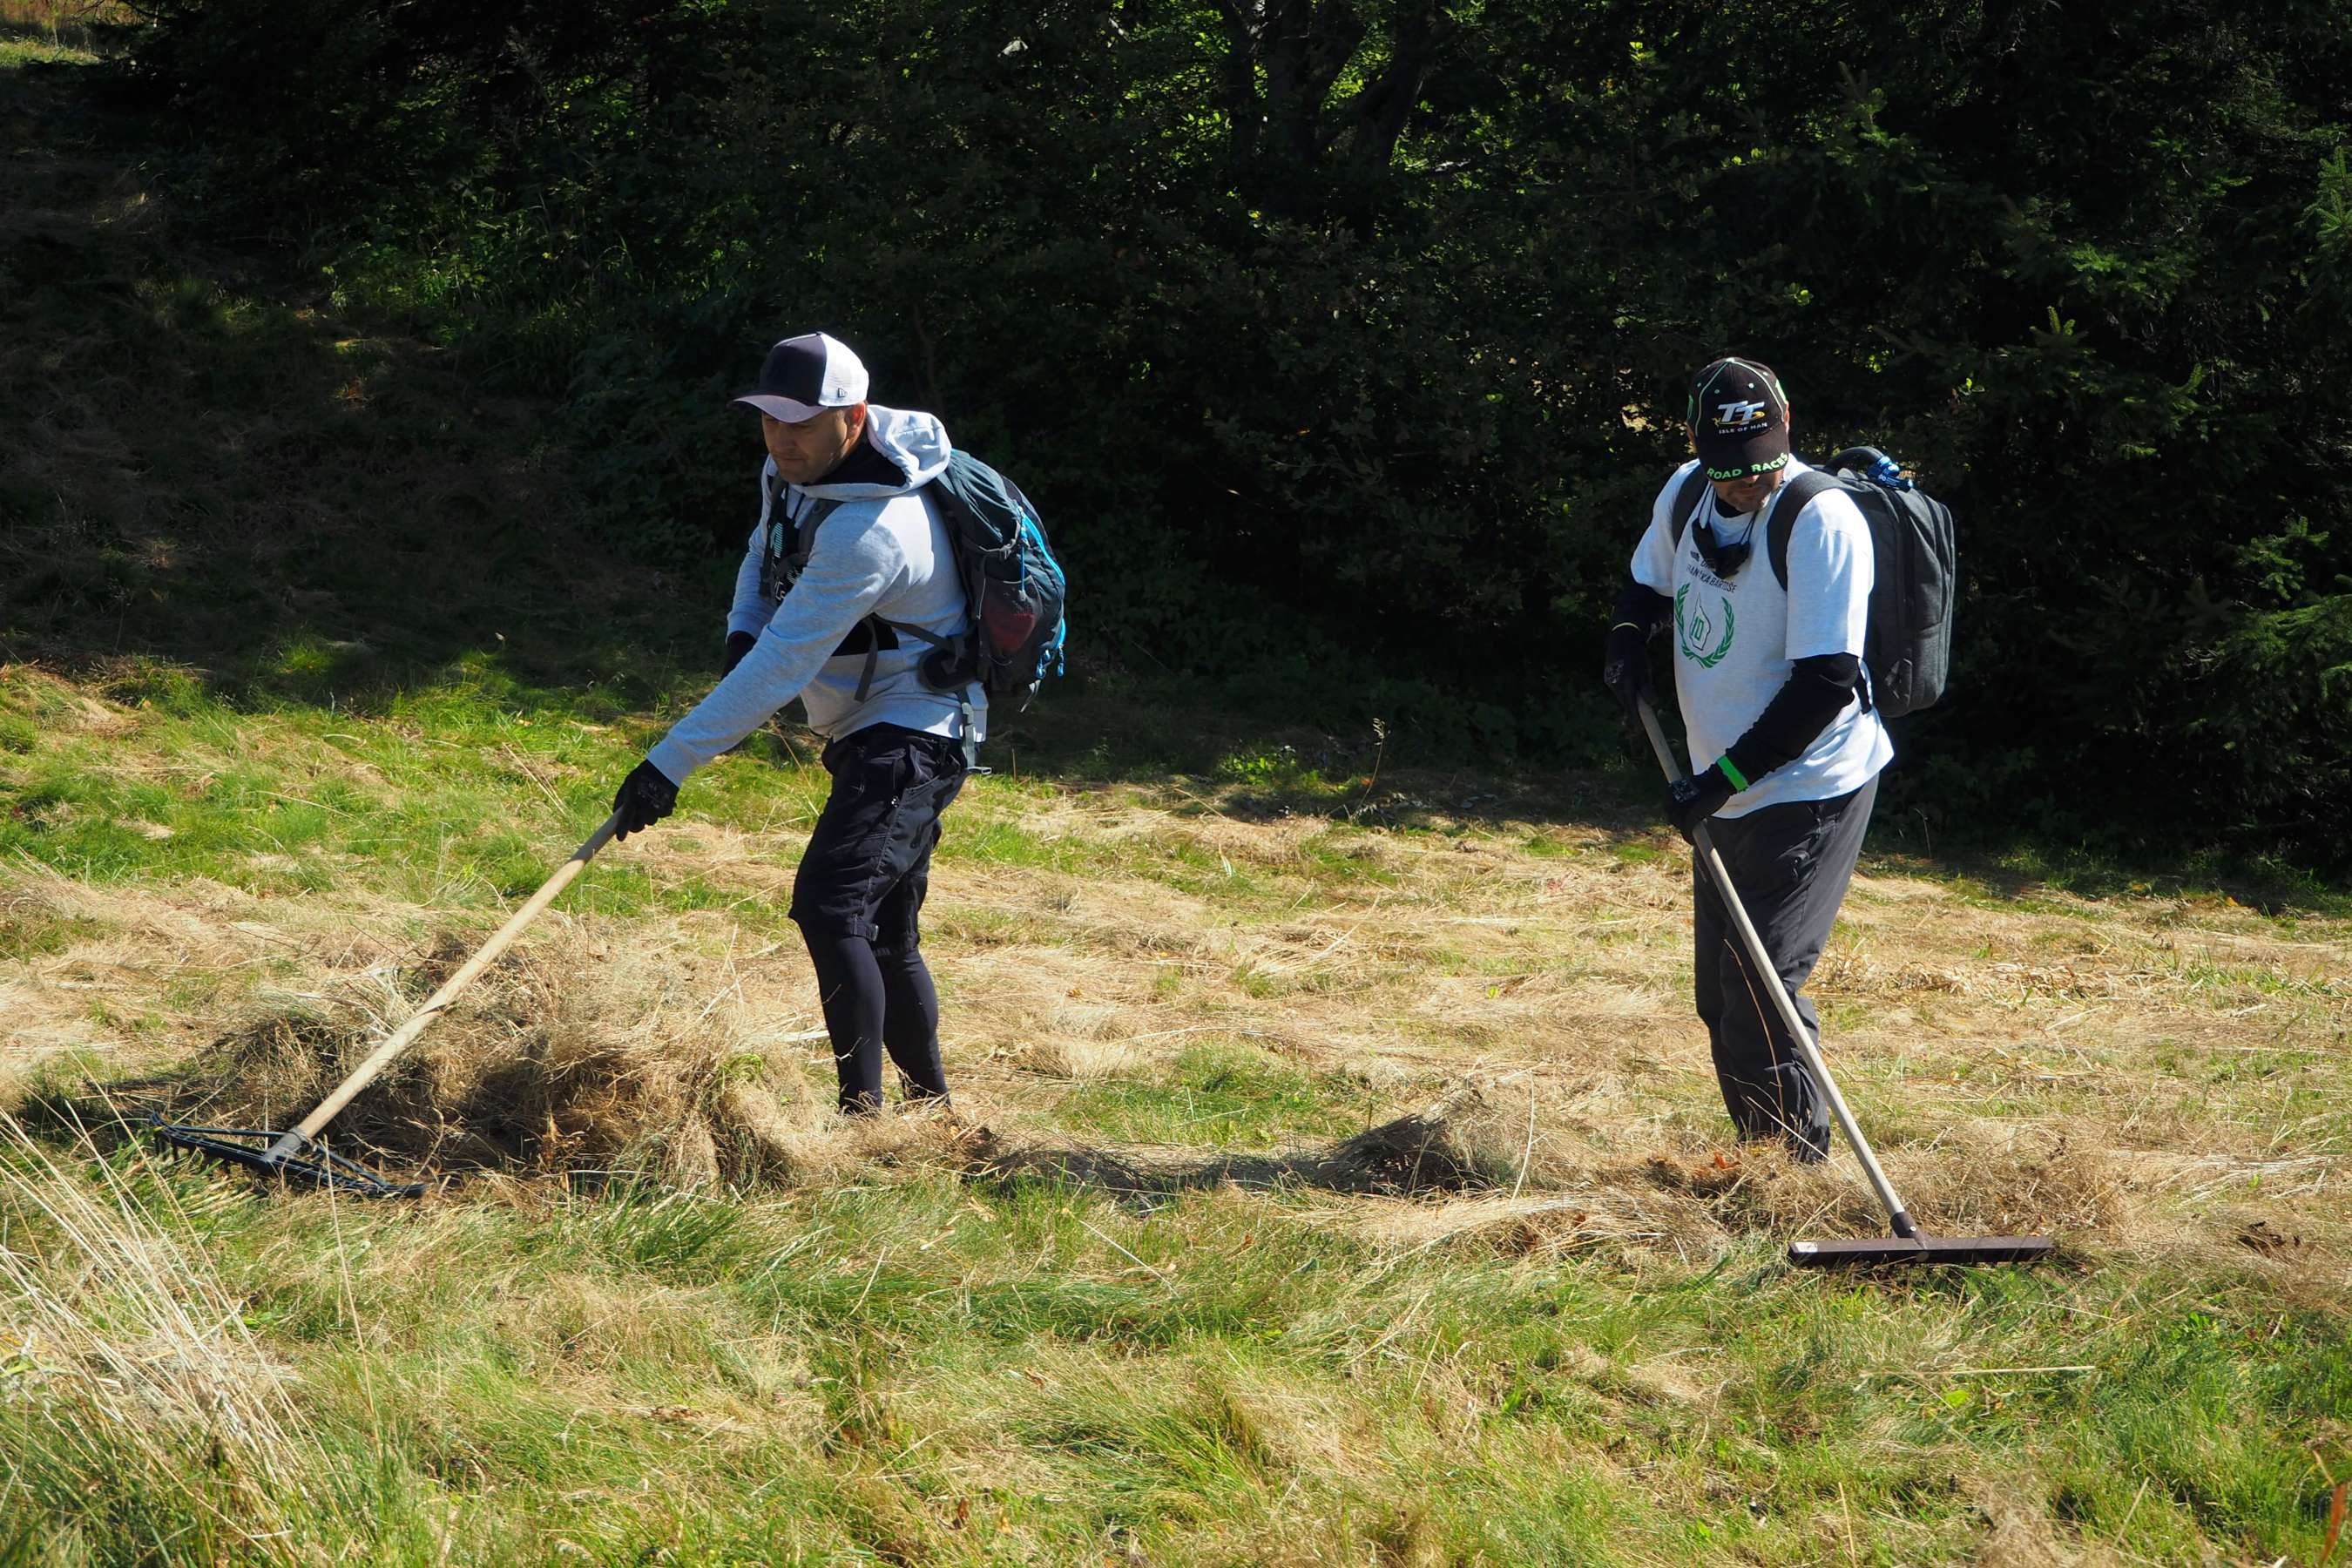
806	542
1686	501
1794	497
803	532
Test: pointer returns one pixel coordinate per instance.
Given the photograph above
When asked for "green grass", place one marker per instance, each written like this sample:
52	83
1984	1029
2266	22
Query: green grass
19	52
920	1369
841	1372
1221	1096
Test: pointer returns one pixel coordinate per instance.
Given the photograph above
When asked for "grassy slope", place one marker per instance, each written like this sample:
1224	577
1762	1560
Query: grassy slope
269	738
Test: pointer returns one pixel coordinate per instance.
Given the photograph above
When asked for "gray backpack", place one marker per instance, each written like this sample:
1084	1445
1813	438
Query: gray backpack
1908	649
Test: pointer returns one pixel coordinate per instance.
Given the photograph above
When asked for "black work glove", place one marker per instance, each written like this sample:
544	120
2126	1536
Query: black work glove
1691	800
738	645
645	797
1625	669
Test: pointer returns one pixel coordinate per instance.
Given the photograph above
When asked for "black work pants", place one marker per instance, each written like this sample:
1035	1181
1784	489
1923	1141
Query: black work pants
858	898
1792	864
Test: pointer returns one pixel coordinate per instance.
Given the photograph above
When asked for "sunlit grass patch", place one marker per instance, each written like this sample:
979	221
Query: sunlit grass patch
1347	856
1636	851
1545	846
1218	1095
1002	840
28	930
18	52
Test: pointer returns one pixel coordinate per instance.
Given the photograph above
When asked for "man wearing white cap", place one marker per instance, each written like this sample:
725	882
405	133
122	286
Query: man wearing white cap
847	554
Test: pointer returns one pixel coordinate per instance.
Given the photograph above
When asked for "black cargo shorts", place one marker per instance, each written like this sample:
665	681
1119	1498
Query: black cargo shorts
869	862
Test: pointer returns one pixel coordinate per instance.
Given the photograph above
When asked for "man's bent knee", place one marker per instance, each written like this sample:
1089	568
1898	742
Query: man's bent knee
822	925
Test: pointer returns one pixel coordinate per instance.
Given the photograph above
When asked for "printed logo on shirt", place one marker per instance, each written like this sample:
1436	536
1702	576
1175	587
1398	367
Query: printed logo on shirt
1727	585
1694	628
1694	565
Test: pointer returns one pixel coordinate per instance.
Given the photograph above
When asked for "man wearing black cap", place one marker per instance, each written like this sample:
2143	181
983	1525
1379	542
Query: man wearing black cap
1771	688
849	581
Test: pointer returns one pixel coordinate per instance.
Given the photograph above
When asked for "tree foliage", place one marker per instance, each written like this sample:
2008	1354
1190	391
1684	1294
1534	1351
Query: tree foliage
1343	339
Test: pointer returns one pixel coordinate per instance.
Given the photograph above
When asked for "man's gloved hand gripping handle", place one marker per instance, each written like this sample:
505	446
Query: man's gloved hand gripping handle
645	797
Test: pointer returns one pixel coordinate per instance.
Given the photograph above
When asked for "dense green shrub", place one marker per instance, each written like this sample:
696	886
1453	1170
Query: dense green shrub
1342	342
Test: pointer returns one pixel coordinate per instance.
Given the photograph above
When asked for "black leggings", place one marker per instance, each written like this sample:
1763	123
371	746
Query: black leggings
858	900
877	1000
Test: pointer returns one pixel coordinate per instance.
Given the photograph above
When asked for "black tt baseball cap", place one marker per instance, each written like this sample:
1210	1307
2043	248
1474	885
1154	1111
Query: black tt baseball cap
1738	419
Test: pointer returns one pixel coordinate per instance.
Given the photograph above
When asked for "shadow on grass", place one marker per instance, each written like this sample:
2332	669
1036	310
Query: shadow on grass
1412	1156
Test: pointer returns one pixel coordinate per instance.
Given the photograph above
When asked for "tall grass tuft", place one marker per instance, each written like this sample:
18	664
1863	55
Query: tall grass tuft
134	1401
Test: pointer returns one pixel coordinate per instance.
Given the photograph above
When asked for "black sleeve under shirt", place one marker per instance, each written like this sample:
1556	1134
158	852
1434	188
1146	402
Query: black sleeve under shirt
1817	691
1642	607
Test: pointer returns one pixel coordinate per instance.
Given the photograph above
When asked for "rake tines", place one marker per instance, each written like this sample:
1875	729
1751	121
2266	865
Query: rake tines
279	1156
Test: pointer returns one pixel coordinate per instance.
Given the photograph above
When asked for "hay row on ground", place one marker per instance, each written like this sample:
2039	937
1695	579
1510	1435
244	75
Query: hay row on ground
1552	986
553	1065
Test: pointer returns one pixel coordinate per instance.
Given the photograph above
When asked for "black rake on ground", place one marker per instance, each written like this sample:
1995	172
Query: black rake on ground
296	1155
280	1157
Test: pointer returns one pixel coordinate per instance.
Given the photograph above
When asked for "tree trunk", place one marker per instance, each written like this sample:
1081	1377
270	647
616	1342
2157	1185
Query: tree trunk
1282	134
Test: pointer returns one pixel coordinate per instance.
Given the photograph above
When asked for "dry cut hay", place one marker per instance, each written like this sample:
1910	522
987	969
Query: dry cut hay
1551	1183
1491	1165
565	1059
2017	1186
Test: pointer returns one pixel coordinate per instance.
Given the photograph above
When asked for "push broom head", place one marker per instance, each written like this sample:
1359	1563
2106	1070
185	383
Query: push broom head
1886	1250
280	1157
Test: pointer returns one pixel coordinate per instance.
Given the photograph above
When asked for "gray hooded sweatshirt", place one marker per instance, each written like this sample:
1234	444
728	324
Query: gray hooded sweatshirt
882	551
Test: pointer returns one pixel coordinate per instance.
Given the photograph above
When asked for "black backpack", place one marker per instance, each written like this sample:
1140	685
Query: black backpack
1907	648
1013	588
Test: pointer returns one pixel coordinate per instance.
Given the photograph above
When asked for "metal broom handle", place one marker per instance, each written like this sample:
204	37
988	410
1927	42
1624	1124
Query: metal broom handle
1761	961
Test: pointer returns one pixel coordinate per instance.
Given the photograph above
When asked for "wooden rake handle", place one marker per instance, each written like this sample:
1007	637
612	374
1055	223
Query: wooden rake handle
503	938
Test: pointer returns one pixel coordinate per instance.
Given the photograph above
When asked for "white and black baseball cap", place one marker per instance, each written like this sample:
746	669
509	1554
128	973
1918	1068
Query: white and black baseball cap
1739	418
803	375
